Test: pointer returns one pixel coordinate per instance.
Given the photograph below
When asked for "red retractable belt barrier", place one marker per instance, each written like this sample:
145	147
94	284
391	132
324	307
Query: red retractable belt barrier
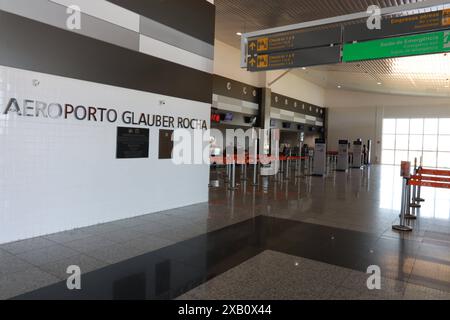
296	158
434	178
434	172
244	160
250	159
429	184
431	178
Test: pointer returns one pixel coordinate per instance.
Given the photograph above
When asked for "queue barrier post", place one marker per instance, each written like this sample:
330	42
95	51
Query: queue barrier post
255	172
228	171
419	188
232	185
409	204
244	171
288	164
402	226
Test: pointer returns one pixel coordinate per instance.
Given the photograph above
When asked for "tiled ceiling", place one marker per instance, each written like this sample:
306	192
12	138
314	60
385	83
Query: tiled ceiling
424	75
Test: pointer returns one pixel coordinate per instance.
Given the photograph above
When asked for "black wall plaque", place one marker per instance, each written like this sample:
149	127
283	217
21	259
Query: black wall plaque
165	144
132	143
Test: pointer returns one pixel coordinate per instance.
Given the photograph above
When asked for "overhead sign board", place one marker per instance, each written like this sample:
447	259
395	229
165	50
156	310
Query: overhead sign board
294	59
398	26
427	43
294	40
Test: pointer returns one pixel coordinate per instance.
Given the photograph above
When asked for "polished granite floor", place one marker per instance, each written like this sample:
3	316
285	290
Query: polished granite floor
341	221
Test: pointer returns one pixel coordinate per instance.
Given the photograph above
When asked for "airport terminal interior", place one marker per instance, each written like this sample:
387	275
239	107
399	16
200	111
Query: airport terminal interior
224	150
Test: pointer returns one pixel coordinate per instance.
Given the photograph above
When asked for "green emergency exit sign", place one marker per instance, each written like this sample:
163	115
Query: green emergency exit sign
427	43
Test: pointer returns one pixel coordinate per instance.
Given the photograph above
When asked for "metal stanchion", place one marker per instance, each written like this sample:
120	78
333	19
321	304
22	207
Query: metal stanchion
299	166
244	172
255	173
419	198
233	176
227	176
416	196
409	205
288	164
402	226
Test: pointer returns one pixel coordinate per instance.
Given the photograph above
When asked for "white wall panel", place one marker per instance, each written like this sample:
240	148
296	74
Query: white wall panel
168	52
59	174
106	11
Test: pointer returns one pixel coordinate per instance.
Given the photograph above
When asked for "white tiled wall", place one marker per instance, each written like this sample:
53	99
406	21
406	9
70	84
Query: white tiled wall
62	174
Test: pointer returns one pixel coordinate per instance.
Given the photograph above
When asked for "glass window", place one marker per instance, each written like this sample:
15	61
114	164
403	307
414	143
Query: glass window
430	143
416	142
401	142
389	141
389	126
410	139
443	160
416	126
444	126
402	126
413	155
430	126
429	159
388	157
444	143
400	156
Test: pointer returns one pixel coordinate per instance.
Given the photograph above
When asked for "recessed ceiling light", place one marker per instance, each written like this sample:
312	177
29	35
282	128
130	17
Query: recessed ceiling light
379	83
303	68
339	87
239	33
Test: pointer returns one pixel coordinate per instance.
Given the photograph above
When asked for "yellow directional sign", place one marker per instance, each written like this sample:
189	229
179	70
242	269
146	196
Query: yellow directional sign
263	44
263	61
294	40
294	59
446	17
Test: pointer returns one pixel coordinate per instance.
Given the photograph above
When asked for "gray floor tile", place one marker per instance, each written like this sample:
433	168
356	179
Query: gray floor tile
67	236
123	235
59	268
89	243
25	281
114	253
12	264
415	292
148	243
27	245
153	227
186	297
351	294
101	228
47	255
179	234
5	254
128	223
